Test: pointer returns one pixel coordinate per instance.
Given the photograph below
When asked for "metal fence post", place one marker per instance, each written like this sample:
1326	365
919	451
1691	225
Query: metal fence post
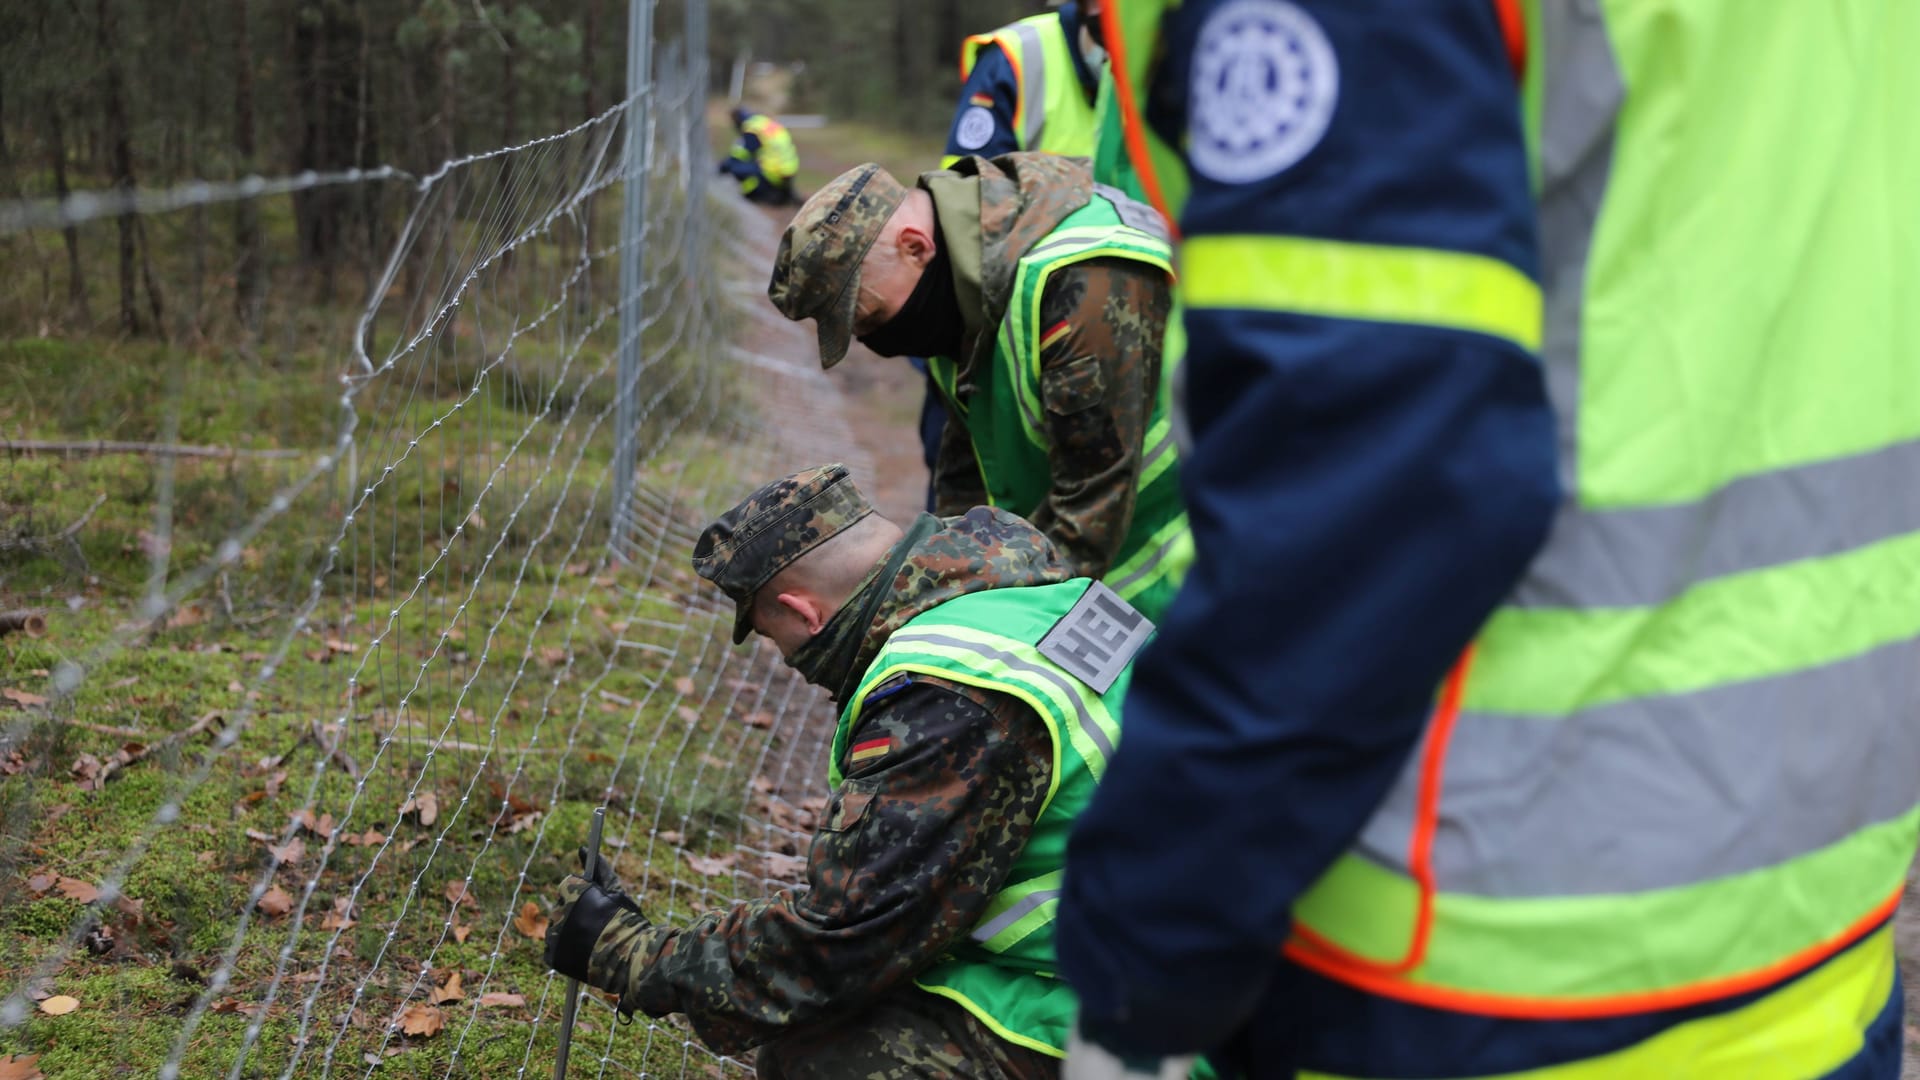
633	218
697	140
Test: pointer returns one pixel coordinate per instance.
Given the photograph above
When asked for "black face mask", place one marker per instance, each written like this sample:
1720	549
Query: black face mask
929	323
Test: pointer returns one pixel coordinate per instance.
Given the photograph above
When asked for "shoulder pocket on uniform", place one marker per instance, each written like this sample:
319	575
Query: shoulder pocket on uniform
1075	386
848	806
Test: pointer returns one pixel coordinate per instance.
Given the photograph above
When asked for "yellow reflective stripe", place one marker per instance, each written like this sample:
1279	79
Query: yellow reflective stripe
1337	280
1168	551
1810	1027
995	1026
1572	948
1551	661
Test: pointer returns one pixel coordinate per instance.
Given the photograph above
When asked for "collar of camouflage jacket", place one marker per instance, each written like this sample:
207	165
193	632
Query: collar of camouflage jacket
981	549
938	560
991	212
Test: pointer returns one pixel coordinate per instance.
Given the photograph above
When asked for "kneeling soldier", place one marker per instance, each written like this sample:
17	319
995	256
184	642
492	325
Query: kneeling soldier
978	687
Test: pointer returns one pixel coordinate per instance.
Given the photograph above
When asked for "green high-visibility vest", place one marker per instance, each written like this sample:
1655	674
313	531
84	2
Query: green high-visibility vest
777	158
1053	114
1002	972
1006	415
1682	763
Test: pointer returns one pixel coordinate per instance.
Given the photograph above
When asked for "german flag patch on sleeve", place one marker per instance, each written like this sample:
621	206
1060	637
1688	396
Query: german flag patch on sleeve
870	750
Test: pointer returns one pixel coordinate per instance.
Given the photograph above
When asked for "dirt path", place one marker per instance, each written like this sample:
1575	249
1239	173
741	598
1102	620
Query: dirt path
873	426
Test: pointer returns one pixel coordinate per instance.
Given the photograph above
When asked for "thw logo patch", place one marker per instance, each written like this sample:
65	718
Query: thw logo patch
1096	640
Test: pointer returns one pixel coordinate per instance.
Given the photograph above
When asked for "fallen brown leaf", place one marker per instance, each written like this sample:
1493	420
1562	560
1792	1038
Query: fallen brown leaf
191	615
504	1000
786	868
448	991
341	917
460	933
422	1020
457	894
683	686
21	697
552	655
20	1068
275	901
710	866
86	769
672	836
59	1005
41	884
531	921
426	805
244	1008
758	719
75	889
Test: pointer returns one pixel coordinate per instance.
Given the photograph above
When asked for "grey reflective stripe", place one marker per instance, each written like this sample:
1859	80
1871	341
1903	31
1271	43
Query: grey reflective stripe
1648	556
1665	792
990	929
1060	680
1160	449
1148	568
1050	245
1582	92
1033	82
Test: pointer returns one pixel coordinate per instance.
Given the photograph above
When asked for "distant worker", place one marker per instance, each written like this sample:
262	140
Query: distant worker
1041	303
1403	791
976	685
1030	85
763	159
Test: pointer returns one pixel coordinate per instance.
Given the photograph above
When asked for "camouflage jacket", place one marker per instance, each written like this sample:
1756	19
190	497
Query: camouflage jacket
905	861
1115	310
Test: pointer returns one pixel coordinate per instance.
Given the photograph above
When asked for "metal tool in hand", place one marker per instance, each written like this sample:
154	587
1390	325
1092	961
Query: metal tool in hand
573	985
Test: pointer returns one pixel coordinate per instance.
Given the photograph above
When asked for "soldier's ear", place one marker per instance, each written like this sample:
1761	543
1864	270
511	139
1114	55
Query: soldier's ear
805	607
916	245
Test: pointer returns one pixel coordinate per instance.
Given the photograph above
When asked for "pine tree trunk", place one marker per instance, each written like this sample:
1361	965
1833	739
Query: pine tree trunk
589	41
120	161
76	280
248	279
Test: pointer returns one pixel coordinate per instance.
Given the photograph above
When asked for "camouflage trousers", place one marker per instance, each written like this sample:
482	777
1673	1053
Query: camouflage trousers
908	1035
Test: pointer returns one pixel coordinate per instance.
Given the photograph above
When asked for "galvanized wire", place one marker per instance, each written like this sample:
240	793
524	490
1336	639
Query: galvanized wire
521	462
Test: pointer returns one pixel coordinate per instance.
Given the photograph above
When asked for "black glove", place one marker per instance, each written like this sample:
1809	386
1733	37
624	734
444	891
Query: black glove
586	908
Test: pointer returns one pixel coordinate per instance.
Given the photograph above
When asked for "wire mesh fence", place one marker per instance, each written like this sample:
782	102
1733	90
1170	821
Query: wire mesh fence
354	618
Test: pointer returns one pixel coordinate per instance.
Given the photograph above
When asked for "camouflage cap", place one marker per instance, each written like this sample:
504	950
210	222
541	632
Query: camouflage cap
816	274
771	528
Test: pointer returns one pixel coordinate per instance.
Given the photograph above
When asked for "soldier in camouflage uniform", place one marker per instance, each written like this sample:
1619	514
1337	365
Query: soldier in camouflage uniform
923	945
1040	300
